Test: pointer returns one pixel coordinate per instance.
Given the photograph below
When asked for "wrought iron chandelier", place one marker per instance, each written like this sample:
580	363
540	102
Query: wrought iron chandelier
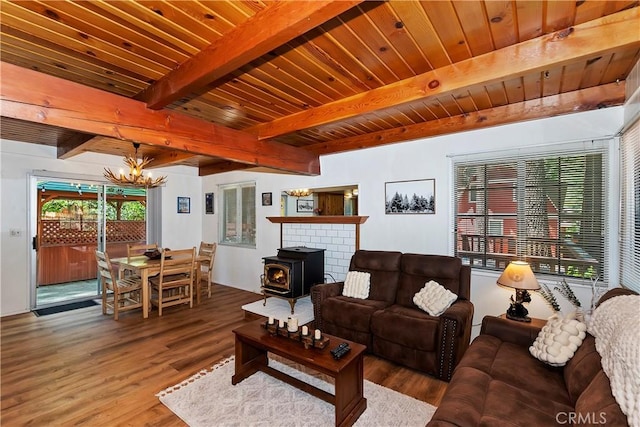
302	192
136	176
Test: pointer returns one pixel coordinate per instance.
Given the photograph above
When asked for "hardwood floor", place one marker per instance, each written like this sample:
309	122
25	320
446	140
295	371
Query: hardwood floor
83	368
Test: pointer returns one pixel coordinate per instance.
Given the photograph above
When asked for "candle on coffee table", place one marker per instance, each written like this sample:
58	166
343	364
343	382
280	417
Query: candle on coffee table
292	324
271	320
317	335
305	330
281	323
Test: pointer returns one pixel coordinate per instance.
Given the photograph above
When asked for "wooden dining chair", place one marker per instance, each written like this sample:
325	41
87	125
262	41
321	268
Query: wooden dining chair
118	294
207	250
175	283
136	249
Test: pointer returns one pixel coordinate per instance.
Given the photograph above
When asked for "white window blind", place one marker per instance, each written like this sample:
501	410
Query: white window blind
630	208
238	224
546	208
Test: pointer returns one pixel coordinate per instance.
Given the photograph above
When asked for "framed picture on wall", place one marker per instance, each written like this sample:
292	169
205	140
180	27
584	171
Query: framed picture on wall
184	205
267	199
410	197
208	203
304	205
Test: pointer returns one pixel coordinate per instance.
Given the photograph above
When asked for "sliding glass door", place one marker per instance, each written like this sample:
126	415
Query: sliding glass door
73	218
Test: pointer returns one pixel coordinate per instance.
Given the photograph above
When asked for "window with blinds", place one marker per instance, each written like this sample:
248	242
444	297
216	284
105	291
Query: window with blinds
630	208
547	209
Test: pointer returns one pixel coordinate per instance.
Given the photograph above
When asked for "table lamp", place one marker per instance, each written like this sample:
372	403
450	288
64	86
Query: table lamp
518	275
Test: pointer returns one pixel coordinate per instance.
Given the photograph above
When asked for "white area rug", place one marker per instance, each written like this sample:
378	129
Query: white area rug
209	399
280	309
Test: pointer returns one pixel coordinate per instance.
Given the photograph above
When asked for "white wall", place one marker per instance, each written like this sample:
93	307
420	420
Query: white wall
18	160
421	159
369	169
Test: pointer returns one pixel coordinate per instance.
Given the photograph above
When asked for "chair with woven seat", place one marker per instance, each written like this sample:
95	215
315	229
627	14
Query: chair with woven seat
119	294
207	250
175	283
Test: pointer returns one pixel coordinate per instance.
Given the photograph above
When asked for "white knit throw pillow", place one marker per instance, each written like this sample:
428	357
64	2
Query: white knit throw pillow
434	298
558	340
356	285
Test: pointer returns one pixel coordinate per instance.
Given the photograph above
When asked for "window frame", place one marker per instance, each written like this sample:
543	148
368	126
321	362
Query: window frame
240	239
602	146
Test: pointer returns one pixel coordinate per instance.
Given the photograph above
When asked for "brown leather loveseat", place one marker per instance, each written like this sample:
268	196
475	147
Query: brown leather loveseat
499	383
388	322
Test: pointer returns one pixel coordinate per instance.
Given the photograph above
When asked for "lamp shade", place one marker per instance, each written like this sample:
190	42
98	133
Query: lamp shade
518	275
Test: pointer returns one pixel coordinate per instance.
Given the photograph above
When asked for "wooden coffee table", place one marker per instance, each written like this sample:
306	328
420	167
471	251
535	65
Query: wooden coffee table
253	342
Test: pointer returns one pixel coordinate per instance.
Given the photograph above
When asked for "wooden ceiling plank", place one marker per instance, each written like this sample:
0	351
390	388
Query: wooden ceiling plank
63	35
443	17
266	30
417	23
475	25
566	103
557	49
530	15
595	69
621	65
560	14
62	103
504	25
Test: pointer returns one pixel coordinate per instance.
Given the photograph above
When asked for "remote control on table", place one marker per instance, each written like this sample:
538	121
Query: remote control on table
340	350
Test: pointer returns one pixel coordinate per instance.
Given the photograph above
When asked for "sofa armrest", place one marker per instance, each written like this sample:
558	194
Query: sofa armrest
319	293
455	334
519	333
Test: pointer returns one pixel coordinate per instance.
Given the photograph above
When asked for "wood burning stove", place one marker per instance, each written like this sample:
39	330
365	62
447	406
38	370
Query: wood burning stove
292	272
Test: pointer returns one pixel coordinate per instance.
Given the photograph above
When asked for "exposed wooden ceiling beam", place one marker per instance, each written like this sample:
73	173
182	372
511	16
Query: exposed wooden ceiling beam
168	158
72	145
268	29
58	102
571	102
221	167
581	41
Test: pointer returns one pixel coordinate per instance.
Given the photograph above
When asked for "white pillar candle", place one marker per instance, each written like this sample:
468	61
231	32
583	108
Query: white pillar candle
271	320
281	323
292	324
317	335
305	330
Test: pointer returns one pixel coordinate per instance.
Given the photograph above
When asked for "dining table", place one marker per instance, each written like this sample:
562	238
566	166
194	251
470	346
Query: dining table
148	267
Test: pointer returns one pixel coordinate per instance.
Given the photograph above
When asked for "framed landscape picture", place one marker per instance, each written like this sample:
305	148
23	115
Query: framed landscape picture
304	205
410	197
266	199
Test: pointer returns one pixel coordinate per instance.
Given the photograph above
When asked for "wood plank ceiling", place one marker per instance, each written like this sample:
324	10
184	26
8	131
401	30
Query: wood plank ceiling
224	85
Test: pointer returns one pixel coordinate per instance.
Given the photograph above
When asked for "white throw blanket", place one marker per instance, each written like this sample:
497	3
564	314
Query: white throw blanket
615	324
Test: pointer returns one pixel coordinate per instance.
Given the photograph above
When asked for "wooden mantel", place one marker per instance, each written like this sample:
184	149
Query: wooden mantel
320	219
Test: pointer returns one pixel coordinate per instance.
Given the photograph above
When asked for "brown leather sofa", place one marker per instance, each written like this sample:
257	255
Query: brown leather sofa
499	383
388	322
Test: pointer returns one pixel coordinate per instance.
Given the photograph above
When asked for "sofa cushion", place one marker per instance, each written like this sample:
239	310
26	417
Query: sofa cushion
419	269
434	298
512	364
352	313
384	268
356	284
400	324
597	402
582	368
475	398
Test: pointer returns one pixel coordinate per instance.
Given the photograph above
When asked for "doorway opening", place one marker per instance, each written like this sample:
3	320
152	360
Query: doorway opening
73	220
